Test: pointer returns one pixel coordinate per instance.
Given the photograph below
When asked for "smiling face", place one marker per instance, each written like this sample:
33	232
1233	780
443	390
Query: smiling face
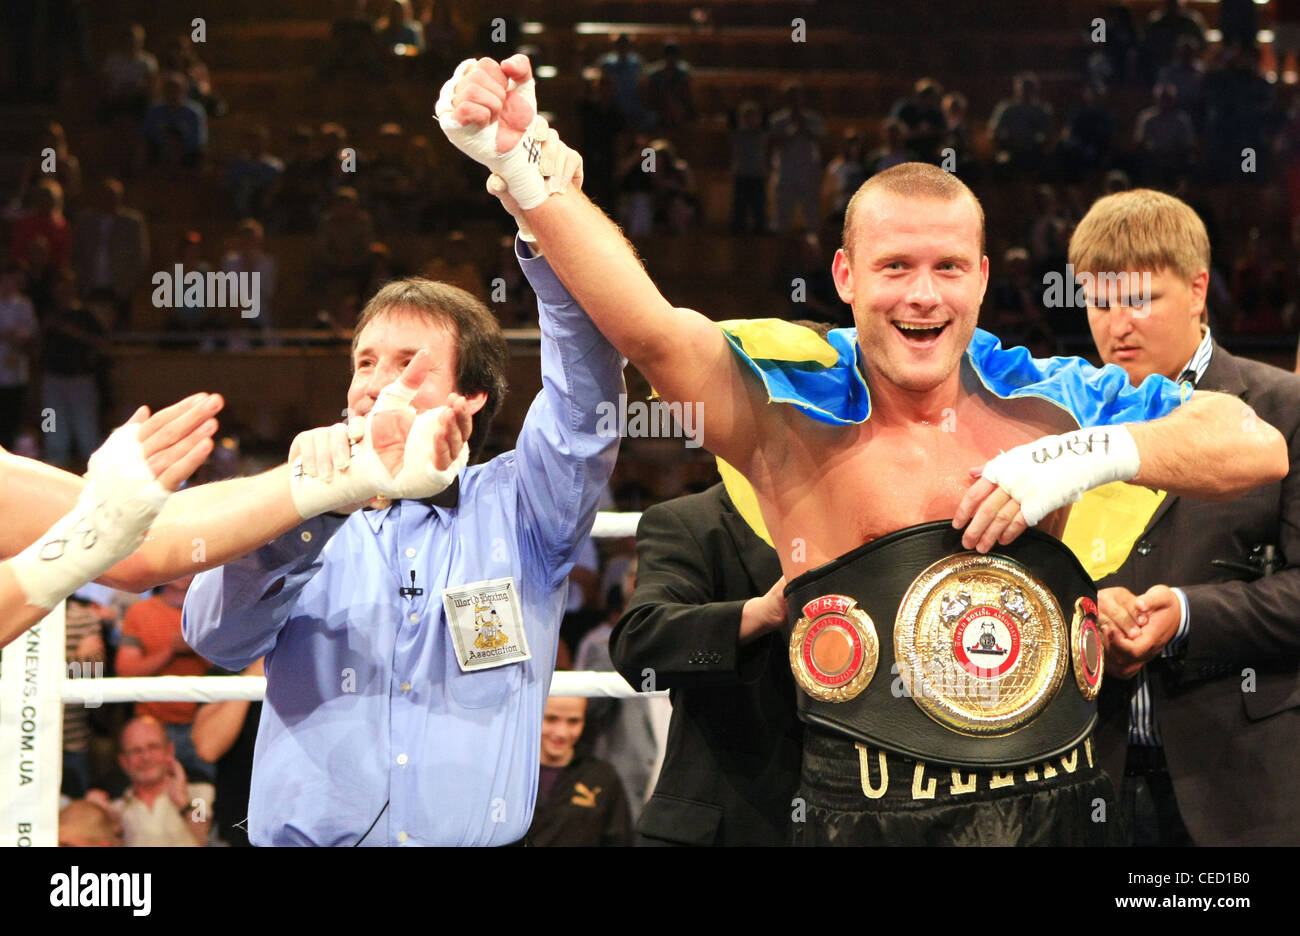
915	279
1158	336
561	728
384	348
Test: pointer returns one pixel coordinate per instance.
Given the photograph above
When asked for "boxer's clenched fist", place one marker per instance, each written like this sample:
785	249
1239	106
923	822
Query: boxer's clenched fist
560	165
488	111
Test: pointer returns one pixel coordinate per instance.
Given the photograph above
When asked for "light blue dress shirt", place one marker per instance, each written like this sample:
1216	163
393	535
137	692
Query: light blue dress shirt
366	703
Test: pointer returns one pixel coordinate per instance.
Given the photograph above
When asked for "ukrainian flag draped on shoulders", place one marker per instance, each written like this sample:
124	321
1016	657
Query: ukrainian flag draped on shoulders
823	379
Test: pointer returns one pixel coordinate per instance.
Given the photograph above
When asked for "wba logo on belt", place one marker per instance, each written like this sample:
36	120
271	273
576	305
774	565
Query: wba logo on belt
834	649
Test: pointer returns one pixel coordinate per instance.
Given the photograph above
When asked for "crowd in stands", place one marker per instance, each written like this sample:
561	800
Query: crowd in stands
78	256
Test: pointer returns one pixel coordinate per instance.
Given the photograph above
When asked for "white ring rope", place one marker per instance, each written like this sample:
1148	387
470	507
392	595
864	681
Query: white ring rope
95	692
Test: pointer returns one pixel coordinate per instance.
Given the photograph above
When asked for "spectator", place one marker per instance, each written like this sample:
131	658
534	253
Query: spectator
628	733
159	808
181	58
1090	136
250	256
390	184
1165	139
75	344
580	799
795	139
84	823
84	647
676	203
960	137
17	332
454	264
129	74
806	279
1022	124
151	645
1049	232
175	128
192	314
1286	34
636	191
622	67
1237	104
894	150
252	174
600	124
668	89
844	174
226	733
67	168
1164	28
1187	75
111	248
1014	308
296	196
354	43
401	33
922	114
749	146
1239	23
1117	60
44	220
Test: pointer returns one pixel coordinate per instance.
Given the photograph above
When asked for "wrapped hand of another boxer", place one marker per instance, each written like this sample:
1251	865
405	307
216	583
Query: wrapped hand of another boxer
488	111
1018	488
127	483
394	452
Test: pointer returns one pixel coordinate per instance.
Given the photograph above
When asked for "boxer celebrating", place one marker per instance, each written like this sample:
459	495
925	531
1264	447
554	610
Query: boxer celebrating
885	430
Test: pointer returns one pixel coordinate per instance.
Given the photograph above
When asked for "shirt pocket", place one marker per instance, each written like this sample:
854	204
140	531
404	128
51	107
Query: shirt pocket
485	688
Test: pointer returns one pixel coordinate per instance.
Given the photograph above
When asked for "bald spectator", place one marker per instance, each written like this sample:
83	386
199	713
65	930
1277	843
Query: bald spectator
129	73
111	247
159	808
151	645
84	823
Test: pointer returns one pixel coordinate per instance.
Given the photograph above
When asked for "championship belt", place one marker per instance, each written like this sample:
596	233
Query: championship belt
974	651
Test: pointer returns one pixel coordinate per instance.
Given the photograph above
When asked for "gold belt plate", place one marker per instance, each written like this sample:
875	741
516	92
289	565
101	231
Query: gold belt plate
980	644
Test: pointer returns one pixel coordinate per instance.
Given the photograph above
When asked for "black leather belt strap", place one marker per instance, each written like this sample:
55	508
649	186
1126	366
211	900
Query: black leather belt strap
878	575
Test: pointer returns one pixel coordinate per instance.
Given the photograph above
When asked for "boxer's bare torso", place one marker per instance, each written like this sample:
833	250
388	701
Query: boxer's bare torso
825	490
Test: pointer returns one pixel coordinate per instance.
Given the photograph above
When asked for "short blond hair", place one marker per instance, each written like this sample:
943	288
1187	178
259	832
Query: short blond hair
1140	229
910	180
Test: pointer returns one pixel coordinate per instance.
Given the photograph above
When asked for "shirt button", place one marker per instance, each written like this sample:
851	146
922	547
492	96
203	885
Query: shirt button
406	687
401	837
306	536
415	618
401	759
410	553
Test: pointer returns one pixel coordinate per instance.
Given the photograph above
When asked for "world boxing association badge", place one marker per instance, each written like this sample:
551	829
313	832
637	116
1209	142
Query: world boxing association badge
834	649
1089	651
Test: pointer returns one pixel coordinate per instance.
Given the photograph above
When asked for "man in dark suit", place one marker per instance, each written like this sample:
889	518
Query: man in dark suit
705	622
1200	708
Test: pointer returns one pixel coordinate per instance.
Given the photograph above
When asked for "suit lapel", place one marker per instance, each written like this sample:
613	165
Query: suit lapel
746	540
1222	375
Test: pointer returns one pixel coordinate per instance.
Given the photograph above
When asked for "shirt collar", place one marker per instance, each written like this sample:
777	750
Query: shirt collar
1195	368
441	504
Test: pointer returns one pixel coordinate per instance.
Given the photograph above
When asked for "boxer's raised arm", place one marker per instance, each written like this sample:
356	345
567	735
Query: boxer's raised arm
682	353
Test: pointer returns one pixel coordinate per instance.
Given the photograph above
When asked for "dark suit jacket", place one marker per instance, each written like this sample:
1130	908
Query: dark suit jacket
1233	747
734	743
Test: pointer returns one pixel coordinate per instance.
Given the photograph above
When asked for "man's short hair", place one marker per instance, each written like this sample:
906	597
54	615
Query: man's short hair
910	180
481	354
1140	229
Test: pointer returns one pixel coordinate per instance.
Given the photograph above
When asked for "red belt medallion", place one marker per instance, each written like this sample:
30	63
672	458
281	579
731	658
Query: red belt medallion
834	649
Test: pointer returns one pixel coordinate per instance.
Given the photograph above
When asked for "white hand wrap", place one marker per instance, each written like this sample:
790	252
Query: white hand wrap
518	166
119	503
1056	470
366	478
